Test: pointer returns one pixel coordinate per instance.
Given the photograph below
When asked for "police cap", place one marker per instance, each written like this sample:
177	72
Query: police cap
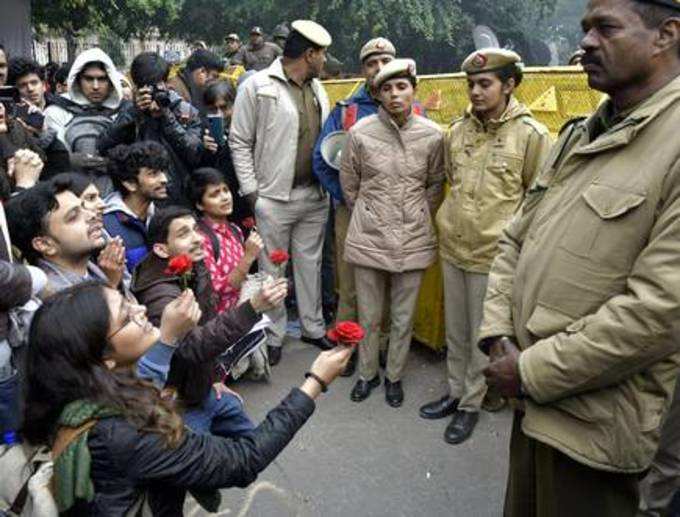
490	59
377	46
396	68
313	32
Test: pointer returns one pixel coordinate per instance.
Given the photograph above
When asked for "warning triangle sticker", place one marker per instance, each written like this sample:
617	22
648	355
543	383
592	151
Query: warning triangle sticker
546	102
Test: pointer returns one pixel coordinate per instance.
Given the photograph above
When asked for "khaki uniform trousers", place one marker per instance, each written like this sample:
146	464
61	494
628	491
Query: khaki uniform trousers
371	285
463	307
347	292
297	225
543	482
663	480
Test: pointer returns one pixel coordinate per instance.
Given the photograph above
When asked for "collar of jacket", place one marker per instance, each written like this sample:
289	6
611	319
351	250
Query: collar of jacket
362	96
513	110
626	130
386	119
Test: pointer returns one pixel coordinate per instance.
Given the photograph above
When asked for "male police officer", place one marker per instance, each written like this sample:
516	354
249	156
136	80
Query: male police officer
582	313
258	54
278	115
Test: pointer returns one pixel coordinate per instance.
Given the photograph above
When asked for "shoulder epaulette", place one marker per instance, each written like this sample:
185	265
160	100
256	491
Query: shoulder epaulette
535	125
570	123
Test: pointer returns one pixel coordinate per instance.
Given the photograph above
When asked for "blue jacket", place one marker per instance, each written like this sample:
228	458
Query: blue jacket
329	177
119	220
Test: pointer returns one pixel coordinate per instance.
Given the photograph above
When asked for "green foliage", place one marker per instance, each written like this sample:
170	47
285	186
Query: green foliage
436	32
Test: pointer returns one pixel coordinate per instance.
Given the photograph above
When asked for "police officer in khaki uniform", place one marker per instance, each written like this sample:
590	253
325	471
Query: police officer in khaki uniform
582	314
492	155
258	54
391	172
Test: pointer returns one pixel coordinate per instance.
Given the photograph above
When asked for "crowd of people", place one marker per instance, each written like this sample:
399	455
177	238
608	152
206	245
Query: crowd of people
142	215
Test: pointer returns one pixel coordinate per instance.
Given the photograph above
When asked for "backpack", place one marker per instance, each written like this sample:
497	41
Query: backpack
214	241
87	124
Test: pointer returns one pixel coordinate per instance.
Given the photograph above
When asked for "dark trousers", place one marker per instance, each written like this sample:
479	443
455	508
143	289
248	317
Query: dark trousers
543	482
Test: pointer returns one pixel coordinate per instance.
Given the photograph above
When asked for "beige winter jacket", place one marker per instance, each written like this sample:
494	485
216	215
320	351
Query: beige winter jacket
392	179
588	281
264	132
489	169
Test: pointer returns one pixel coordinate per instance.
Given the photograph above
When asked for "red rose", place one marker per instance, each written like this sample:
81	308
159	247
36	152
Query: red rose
248	223
179	265
279	257
347	333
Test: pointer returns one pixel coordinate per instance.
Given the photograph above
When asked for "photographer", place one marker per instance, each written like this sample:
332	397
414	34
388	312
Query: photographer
158	114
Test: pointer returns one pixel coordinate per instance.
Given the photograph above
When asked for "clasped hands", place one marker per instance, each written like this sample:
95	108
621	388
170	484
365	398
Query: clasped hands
502	373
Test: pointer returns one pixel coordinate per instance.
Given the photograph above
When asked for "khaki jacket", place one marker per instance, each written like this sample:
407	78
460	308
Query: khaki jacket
264	132
588	281
489	170
392	178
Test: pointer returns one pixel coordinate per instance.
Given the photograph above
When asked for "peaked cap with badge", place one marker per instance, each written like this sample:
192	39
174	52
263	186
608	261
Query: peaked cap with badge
396	68
377	46
489	60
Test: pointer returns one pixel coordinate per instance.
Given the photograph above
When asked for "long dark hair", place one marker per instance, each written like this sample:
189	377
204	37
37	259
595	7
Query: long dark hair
66	351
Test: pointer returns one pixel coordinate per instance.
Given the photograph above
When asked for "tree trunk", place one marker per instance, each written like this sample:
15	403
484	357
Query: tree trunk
71	45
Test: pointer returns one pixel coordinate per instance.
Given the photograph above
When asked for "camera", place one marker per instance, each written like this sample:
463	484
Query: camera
160	96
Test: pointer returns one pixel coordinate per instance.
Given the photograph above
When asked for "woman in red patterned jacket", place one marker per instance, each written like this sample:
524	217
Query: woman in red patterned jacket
228	256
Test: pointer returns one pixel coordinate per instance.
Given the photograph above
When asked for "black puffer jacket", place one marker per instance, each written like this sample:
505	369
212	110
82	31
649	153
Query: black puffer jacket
191	368
126	462
181	138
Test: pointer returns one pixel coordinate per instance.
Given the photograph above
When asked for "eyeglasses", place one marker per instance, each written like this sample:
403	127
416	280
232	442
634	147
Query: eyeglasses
135	313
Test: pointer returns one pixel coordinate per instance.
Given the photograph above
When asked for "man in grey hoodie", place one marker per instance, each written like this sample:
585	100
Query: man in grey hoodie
91	103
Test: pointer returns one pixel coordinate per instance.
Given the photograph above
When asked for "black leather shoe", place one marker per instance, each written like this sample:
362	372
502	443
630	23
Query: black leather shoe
362	389
351	365
394	394
461	427
382	359
274	353
321	342
441	408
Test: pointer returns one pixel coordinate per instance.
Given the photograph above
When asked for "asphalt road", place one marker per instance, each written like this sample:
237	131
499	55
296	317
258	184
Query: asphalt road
369	459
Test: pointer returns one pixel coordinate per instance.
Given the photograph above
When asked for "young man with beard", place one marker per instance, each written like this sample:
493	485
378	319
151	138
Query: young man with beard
80	116
278	115
581	313
392	172
54	232
174	231
374	55
139	174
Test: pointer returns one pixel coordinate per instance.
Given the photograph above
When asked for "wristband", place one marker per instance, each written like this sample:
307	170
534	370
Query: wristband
324	386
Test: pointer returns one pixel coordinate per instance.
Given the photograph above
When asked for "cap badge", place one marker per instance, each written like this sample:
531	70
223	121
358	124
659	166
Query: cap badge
479	61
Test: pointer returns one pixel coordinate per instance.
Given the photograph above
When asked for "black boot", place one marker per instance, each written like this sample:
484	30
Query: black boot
351	365
461	427
362	389
441	408
394	394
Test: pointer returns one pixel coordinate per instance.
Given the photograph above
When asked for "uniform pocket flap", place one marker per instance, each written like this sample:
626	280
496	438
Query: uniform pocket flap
611	202
545	322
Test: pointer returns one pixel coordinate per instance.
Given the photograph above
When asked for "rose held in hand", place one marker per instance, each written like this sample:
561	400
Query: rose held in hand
180	266
248	223
347	333
279	258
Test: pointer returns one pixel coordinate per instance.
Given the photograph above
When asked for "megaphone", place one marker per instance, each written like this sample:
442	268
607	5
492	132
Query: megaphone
331	148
